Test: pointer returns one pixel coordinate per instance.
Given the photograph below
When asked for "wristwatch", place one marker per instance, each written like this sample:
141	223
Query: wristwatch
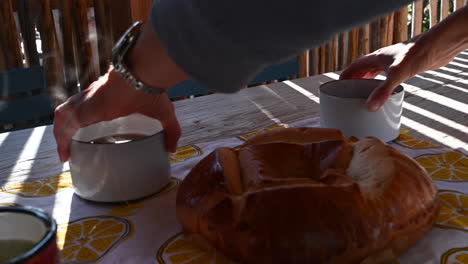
119	52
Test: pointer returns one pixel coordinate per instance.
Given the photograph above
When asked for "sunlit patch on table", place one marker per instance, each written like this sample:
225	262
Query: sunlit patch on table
455	256
454	210
89	239
178	250
185	153
244	137
10	204
40	188
450	166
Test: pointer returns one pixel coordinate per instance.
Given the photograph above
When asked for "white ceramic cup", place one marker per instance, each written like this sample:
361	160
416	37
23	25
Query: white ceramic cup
342	106
115	172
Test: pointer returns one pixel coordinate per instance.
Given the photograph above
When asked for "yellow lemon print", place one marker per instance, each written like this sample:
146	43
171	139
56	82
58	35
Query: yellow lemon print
178	250
185	153
40	188
87	240
408	141
454	210
244	137
455	256
450	166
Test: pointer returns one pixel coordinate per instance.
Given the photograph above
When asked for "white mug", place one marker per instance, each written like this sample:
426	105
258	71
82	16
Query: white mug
342	106
123	170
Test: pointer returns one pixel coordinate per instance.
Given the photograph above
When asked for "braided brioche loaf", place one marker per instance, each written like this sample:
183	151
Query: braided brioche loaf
307	195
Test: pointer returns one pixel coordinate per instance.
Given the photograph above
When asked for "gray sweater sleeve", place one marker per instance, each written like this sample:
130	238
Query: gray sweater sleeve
224	44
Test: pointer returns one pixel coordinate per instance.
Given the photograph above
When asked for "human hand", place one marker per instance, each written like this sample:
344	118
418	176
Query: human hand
401	61
108	98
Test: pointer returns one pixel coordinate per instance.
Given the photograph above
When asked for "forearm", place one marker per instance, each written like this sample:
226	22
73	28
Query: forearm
446	39
150	62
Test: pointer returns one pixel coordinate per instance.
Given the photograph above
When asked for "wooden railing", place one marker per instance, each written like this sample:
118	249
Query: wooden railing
77	36
393	28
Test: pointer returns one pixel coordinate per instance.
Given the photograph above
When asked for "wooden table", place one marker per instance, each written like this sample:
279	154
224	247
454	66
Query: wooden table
436	108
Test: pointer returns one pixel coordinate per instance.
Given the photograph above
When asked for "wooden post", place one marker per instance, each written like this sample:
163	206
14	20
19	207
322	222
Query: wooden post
342	50
9	37
27	20
459	4
68	44
400	32
375	32
3	64
386	31
50	50
444	8
353	46
104	33
332	61
121	17
417	18
304	64
323	59
364	45
314	58
141	9
86	71
433	12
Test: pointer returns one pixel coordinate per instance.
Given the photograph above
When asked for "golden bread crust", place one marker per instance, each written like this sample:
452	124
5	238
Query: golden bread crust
308	195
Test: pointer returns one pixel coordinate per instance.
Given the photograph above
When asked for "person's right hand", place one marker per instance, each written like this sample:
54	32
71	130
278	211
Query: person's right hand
108	98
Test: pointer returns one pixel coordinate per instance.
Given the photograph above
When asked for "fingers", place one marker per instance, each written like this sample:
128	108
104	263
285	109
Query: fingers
65	126
366	67
380	95
162	109
173	132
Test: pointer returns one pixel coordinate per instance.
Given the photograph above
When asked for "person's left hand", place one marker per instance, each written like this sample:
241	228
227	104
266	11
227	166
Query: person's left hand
108	98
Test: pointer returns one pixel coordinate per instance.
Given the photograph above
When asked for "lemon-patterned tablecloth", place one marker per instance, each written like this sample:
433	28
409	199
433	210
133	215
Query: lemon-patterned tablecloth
147	231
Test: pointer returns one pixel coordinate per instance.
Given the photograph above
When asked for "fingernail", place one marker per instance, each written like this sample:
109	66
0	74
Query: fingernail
374	106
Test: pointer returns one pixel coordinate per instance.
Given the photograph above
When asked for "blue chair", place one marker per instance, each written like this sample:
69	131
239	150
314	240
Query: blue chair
275	72
23	101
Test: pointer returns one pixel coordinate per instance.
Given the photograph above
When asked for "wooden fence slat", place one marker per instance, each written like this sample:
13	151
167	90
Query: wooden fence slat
86	71
28	20
342	50
3	64
314	59
375	32
122	17
364	45
51	52
68	44
400	32
9	37
444	8
417	18
323	58
105	36
332	61
433	12
353	46
386	33
304	64
140	9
